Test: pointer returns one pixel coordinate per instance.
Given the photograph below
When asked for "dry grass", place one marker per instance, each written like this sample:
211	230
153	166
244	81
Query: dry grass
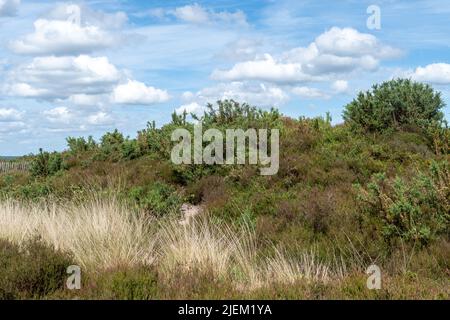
230	255
99	234
102	234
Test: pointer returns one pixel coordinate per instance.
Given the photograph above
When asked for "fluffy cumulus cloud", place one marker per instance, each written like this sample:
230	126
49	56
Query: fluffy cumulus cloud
193	107
62	37
196	14
436	73
82	81
352	43
8	8
59	115
337	51
340	86
86	100
135	92
99	119
265	68
61	77
70	30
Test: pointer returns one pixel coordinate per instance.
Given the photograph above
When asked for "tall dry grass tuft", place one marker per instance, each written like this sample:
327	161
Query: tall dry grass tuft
197	246
100	234
282	269
216	249
103	234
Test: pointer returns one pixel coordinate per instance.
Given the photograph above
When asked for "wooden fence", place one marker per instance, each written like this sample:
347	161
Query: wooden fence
8	166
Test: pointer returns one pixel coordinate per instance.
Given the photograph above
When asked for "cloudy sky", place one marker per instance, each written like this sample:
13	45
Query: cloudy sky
82	68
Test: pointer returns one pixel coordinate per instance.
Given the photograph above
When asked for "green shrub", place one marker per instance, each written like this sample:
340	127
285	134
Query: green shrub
33	190
417	210
159	198
32	271
130	149
111	145
79	145
46	164
140	284
395	104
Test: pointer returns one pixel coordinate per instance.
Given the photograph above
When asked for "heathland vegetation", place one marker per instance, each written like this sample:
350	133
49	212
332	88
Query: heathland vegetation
372	190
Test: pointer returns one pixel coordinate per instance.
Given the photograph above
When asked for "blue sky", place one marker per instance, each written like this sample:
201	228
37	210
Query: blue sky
84	68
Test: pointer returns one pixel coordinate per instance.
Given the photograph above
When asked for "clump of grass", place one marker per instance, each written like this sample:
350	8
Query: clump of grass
100	234
231	255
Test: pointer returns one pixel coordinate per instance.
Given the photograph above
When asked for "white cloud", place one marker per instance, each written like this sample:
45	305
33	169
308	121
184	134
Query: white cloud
191	13
70	30
264	69
83	81
310	93
259	94
349	42
339	86
100	118
334	52
62	38
187	95
10	115
135	92
25	90
8	8
10	127
196	14
86	100
437	73
59	115
61	77
74	119
192	107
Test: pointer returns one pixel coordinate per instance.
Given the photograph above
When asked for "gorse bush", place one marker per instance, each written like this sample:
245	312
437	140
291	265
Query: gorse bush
417	210
395	104
79	145
45	164
232	113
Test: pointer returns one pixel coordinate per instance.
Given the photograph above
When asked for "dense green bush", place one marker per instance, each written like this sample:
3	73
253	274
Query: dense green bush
395	104
232	114
159	198
139	284
417	210
46	164
32	271
79	145
111	145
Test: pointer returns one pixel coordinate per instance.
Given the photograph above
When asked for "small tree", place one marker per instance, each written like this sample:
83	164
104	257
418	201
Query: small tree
396	104
79	145
45	164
